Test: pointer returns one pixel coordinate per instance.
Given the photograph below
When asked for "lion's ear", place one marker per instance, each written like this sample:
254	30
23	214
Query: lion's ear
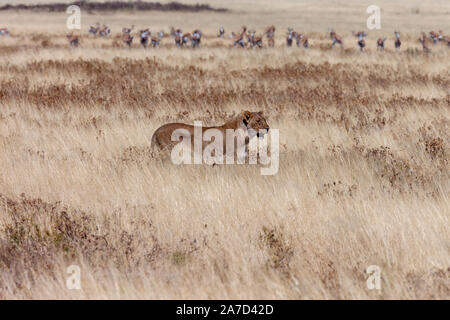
247	114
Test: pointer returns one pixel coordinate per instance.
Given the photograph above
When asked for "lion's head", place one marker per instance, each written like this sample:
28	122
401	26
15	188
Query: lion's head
255	123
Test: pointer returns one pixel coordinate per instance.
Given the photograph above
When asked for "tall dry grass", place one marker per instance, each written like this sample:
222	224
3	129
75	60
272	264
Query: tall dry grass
363	179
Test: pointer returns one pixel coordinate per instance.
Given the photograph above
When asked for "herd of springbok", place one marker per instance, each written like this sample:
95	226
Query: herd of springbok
243	38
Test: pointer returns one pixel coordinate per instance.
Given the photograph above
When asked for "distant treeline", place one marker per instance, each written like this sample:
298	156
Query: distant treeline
114	6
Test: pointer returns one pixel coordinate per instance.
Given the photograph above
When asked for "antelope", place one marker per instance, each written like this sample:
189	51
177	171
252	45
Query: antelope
185	38
238	39
221	32
398	43
254	40
94	29
104	31
178	35
424	41
157	39
196	38
126	30
73	40
127	39
4	32
144	34
270	33
290	36
435	36
446	39
335	38
361	42
249	39
302	40
443	38
380	44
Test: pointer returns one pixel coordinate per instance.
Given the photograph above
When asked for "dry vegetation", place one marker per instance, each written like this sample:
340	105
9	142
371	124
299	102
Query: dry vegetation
363	179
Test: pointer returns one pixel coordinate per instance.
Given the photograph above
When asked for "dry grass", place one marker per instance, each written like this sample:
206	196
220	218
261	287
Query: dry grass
363	179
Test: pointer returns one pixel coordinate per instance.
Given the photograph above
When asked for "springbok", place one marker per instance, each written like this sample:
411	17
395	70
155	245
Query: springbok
104	31
73	40
443	38
4	32
291	34
302	40
424	41
94	29
361	42
185	39
127	39
254	41
221	32
335	38
435	36
157	39
270	33
178	35
143	35
238	39
380	44
126	30
196	38
397	43
446	39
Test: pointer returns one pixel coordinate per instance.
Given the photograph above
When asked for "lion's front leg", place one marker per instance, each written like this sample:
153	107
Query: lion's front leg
242	153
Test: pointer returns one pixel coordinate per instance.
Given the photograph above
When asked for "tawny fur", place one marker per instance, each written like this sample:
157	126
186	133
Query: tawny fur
161	139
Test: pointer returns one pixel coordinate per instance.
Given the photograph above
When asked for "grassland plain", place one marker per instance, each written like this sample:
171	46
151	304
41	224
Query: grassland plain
363	179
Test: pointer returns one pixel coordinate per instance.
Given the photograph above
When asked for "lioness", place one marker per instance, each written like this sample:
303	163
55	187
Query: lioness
251	124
